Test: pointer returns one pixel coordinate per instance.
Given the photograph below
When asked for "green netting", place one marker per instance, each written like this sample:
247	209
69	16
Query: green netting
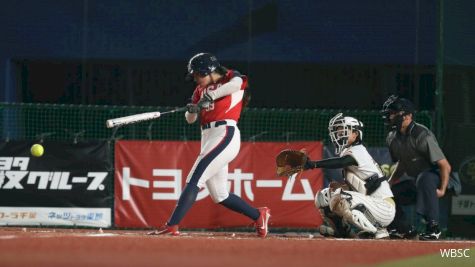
82	122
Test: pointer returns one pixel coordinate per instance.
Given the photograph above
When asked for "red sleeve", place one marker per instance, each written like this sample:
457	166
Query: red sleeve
196	97
244	82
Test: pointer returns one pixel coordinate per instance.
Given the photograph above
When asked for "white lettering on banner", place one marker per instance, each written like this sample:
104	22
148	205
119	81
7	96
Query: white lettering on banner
14	178
97	179
268	183
127	181
11	179
237	176
175	184
307	190
95	217
235	179
463	205
7	163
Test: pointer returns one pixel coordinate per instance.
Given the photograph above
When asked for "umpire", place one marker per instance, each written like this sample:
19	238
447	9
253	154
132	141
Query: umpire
418	154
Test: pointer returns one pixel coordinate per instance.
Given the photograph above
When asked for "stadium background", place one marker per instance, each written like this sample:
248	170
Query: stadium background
98	59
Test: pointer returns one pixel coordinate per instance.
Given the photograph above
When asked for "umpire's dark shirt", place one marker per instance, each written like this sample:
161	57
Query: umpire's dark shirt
417	150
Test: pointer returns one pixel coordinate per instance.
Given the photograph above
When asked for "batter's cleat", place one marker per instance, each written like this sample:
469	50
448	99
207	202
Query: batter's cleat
166	230
381	233
262	222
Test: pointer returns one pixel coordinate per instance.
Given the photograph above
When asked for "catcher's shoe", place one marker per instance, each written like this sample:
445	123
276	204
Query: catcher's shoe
381	233
166	230
342	230
365	235
262	222
326	231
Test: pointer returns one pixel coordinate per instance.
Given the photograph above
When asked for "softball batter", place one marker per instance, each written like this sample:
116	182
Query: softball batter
217	100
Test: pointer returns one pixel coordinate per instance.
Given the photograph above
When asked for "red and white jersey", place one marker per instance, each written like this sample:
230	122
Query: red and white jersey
225	108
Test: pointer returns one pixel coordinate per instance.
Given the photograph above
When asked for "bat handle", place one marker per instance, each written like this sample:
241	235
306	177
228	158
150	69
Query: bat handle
174	110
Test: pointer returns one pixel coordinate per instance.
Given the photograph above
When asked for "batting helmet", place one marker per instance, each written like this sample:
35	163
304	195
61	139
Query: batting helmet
202	64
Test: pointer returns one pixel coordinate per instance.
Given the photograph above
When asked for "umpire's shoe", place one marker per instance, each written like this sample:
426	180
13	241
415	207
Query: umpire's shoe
432	232
166	230
410	234
262	222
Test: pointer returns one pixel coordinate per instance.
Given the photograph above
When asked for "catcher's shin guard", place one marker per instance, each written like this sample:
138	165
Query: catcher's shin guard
340	205
359	220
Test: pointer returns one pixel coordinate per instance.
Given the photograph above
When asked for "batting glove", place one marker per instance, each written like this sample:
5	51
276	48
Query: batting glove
192	108
205	101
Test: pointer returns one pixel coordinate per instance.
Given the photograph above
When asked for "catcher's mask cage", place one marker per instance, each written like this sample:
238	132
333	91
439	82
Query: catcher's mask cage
203	64
340	128
399	106
322	198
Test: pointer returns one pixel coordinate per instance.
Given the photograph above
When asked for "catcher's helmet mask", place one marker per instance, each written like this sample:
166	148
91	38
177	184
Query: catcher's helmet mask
399	106
202	64
340	127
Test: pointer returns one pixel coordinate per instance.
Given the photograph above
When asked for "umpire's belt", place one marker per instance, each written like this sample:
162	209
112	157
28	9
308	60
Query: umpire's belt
218	123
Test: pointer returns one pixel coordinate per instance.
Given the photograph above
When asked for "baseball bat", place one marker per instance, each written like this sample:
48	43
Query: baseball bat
116	122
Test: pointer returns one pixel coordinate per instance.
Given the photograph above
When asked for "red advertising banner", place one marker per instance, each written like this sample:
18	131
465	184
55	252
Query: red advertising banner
149	177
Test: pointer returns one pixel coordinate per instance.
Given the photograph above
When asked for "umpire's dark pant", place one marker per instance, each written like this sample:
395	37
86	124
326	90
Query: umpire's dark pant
422	192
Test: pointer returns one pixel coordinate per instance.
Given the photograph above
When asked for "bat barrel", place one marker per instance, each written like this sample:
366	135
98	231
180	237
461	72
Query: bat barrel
132	119
111	123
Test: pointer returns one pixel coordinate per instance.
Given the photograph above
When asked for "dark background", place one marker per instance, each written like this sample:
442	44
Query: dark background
297	54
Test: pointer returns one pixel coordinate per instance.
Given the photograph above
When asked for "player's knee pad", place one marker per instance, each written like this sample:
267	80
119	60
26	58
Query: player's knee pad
359	220
322	198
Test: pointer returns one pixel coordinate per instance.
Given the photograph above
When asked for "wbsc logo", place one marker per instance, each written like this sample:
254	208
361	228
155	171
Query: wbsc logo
455	253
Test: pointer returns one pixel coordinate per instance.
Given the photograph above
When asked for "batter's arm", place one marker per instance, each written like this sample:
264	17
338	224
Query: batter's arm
228	88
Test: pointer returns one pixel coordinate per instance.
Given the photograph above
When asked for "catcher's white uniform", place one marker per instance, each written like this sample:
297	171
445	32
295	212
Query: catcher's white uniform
369	213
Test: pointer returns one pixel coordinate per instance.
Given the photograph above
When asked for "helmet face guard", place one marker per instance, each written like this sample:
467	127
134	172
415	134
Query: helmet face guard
202	64
387	110
340	129
398	107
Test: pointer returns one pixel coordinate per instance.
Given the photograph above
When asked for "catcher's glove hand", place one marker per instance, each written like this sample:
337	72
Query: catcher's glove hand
290	161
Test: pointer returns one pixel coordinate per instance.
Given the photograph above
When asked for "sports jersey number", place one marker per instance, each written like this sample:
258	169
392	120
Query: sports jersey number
210	107
211	88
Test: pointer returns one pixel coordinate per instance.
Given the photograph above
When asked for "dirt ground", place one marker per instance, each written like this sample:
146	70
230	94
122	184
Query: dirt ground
72	247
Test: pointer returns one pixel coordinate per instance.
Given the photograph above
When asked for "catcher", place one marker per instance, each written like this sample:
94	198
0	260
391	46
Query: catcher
369	206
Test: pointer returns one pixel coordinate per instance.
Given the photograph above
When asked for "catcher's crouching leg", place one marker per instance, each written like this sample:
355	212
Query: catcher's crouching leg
333	225
340	205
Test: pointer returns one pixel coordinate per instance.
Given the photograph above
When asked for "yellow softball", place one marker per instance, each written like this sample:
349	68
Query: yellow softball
37	150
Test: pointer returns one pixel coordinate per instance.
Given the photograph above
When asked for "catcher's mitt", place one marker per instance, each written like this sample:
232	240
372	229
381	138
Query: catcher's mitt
290	161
